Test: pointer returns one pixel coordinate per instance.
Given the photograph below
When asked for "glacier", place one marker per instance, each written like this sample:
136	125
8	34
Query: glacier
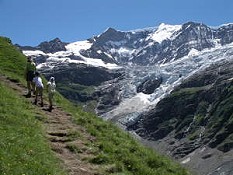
172	73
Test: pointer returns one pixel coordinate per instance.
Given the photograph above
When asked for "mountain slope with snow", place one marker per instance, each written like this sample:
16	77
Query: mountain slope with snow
169	52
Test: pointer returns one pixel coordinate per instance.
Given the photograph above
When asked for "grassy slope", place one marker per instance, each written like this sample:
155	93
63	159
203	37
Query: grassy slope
24	150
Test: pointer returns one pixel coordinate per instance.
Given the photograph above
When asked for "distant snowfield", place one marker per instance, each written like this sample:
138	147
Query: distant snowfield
63	56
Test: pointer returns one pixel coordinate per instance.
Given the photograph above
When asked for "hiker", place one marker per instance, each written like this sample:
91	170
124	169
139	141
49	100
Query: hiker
29	74
51	85
39	88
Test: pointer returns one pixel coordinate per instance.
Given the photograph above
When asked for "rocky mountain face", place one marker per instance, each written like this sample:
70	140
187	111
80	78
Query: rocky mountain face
52	46
171	85
77	82
148	86
195	109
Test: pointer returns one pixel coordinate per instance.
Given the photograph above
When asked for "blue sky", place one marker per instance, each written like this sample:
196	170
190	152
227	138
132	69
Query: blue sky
29	22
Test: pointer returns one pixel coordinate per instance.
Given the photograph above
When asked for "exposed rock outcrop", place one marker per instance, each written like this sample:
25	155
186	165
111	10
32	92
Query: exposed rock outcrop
148	86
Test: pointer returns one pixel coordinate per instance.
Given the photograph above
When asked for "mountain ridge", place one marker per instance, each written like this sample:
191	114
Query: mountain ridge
208	37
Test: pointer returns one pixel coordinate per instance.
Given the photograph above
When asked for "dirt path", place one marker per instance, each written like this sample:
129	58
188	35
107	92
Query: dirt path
62	135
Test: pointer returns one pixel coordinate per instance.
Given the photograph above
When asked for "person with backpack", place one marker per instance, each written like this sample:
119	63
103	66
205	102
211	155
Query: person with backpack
29	74
39	88
51	85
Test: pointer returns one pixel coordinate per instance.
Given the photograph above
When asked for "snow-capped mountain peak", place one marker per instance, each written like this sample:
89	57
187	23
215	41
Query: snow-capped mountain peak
164	31
160	44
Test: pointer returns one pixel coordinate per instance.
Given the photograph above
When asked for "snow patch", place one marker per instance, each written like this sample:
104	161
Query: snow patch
143	97
193	52
125	51
33	52
164	31
116	43
76	47
100	63
60	54
129	109
186	160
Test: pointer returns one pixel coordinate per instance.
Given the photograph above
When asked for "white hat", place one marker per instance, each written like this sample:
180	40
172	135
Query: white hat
52	79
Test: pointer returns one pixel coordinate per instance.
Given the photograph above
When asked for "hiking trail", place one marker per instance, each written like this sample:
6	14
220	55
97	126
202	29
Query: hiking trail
59	128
